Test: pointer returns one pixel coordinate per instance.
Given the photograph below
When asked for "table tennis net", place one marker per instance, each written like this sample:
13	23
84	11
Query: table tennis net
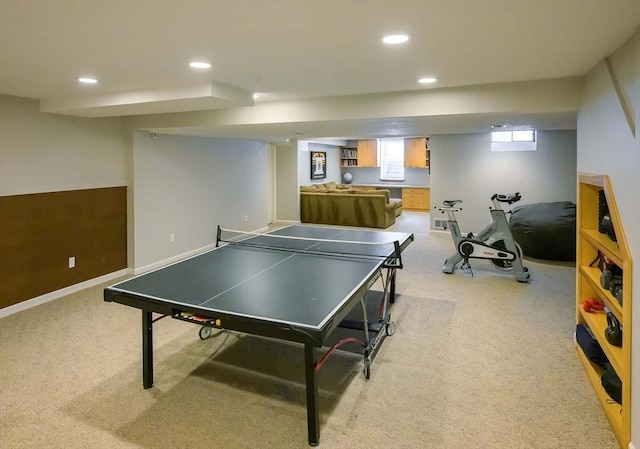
335	247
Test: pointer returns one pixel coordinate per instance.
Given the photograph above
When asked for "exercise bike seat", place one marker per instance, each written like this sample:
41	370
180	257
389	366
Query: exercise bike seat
508	198
451	203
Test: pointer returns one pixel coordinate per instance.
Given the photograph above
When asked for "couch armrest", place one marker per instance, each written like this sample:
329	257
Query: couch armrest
389	214
383	192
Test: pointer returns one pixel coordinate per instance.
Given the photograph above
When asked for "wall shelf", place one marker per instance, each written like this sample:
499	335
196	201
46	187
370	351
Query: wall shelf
590	243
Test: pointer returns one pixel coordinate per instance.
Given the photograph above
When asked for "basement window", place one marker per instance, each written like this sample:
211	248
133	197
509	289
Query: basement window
391	159
524	140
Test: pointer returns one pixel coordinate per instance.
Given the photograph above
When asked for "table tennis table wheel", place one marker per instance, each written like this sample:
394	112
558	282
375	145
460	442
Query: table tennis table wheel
205	332
390	328
367	368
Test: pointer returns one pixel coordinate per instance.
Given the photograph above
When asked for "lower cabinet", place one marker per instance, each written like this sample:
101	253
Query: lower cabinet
416	199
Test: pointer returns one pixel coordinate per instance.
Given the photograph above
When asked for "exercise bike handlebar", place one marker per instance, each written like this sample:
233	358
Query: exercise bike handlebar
508	198
450	203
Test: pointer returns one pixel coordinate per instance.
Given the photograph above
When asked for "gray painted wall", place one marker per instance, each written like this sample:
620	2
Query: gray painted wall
607	145
463	167
180	185
48	153
287	192
187	186
304	163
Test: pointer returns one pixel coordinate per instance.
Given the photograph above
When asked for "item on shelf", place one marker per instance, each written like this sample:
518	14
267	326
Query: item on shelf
606	275
609	271
607	227
615	288
612	383
592	305
590	345
613	332
603	209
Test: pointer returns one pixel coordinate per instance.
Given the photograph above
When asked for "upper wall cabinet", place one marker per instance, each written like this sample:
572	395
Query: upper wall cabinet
368	153
363	155
416	152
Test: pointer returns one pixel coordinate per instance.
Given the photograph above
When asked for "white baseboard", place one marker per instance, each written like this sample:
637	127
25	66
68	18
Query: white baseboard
29	303
183	256
631	446
172	259
287	221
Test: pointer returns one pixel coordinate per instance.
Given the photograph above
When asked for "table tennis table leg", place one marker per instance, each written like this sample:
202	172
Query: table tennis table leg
147	349
392	288
313	412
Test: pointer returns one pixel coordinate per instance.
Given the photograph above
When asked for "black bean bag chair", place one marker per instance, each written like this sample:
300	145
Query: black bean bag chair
546	230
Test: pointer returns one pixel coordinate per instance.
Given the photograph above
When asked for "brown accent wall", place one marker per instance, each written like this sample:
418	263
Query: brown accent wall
39	232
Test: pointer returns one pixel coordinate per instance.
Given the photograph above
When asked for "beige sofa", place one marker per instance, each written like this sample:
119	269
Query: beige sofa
342	205
397	202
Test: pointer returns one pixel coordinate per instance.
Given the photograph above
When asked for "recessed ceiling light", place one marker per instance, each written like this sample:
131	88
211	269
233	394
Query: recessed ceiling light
86	80
256	96
200	65
427	80
394	39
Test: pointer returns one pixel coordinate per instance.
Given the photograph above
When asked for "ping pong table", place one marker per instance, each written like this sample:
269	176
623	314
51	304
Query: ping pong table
297	283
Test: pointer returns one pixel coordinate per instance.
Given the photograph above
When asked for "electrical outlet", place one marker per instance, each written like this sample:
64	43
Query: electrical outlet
246	219
172	238
72	262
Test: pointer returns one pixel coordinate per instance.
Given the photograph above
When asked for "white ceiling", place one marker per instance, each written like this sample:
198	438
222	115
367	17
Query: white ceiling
294	50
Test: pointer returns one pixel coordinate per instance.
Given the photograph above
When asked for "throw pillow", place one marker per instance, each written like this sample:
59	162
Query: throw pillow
330	185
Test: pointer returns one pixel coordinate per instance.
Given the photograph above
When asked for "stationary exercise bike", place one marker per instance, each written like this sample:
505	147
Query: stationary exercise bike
494	242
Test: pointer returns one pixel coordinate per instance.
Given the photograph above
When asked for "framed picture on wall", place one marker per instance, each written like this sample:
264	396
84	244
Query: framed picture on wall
318	165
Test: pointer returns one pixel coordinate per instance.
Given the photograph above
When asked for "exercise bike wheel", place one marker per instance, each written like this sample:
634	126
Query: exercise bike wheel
501	264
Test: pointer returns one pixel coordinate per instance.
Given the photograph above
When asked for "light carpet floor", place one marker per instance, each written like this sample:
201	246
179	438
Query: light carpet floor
475	362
